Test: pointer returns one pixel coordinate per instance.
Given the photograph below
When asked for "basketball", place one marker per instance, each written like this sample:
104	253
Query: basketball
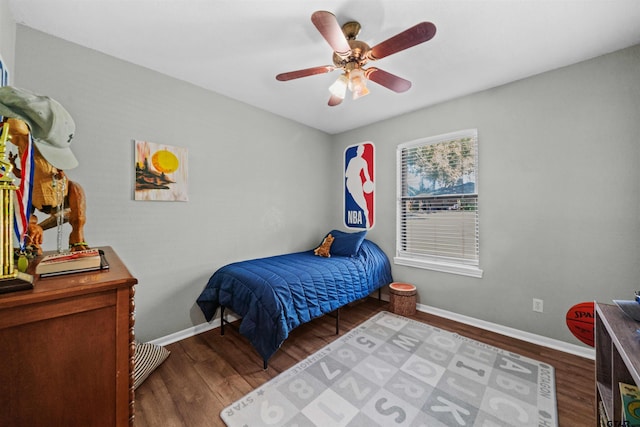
367	187
581	321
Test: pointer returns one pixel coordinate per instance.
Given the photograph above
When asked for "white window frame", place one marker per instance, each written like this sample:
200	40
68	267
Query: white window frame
455	265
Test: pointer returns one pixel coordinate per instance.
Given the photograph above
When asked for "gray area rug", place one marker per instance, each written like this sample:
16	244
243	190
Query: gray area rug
394	371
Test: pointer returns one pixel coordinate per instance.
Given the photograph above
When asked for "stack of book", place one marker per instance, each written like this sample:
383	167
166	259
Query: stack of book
73	262
602	415
630	405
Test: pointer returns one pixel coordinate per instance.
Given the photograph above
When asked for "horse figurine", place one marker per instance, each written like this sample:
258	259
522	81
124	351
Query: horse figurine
47	193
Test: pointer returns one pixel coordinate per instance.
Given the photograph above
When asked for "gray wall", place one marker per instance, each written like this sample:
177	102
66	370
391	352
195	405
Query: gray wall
558	192
558	183
7	36
246	167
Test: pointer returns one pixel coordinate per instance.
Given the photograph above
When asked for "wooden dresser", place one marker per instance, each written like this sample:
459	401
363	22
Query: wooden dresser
67	350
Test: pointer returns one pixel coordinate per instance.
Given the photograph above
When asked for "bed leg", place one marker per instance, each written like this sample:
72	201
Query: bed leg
222	320
338	321
264	364
379	294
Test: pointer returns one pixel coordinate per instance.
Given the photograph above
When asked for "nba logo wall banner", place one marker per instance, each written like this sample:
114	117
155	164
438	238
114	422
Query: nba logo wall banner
359	187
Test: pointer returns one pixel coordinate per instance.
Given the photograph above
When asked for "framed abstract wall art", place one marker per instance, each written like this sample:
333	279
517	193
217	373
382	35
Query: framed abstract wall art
161	172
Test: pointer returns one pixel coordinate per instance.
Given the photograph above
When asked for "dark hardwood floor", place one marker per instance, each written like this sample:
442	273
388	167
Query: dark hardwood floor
207	372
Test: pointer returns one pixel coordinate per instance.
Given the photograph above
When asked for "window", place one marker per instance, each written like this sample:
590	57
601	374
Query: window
437	218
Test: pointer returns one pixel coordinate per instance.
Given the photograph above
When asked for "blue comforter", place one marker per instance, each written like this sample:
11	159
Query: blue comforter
276	294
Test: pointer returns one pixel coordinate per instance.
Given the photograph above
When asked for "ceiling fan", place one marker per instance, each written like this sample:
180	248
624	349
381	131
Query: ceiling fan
351	55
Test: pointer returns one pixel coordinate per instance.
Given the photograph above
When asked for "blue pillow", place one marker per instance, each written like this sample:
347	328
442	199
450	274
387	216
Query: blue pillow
346	244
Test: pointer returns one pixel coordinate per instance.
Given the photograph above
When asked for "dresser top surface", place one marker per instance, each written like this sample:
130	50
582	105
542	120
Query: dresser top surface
63	286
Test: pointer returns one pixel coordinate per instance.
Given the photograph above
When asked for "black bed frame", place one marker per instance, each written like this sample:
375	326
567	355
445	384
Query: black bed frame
224	321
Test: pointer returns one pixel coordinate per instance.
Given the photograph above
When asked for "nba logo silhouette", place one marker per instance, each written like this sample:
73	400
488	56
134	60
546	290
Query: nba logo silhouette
359	187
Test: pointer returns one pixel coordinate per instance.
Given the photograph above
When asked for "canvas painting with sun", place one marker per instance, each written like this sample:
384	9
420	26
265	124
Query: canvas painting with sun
161	172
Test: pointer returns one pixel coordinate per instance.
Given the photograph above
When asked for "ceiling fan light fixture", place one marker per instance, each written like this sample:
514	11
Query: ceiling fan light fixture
360	93
358	83
339	87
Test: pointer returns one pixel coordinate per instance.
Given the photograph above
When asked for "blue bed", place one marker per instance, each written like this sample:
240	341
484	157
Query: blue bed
277	294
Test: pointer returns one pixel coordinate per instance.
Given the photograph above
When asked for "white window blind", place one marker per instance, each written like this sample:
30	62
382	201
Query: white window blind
437	213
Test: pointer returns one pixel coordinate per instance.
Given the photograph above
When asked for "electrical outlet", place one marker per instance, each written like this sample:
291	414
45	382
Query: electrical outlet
537	305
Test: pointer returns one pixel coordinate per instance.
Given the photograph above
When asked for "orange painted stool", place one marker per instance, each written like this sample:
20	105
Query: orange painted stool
402	298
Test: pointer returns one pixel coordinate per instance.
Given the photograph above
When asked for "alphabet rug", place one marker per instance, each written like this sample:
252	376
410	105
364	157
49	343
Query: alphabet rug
394	371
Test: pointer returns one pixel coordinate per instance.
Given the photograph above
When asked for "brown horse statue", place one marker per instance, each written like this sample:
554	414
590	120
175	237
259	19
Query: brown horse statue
45	195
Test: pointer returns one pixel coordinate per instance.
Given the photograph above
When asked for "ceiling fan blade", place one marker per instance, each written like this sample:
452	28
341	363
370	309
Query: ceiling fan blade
334	100
388	80
283	77
410	37
328	26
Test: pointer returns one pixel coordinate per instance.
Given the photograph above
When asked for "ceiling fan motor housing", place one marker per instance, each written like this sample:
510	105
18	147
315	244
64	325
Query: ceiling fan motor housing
356	58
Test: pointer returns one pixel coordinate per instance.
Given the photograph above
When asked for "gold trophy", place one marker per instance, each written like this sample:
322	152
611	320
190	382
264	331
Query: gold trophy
10	278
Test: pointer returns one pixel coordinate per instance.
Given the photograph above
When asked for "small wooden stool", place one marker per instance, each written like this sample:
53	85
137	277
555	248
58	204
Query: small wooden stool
402	298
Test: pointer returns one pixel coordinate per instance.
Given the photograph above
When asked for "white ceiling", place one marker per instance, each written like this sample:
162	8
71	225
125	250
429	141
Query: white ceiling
236	47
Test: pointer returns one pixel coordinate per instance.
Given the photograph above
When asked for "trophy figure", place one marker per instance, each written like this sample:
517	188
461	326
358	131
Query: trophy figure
10	278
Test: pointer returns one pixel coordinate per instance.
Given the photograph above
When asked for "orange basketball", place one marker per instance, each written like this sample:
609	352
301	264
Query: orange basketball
581	321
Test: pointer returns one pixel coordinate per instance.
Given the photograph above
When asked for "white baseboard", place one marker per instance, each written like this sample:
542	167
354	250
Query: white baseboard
193	331
493	327
577	350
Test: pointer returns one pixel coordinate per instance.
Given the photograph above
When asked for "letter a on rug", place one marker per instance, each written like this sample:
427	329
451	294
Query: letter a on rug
394	371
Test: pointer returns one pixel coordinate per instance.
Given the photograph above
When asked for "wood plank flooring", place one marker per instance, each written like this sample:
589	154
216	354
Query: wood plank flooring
207	372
